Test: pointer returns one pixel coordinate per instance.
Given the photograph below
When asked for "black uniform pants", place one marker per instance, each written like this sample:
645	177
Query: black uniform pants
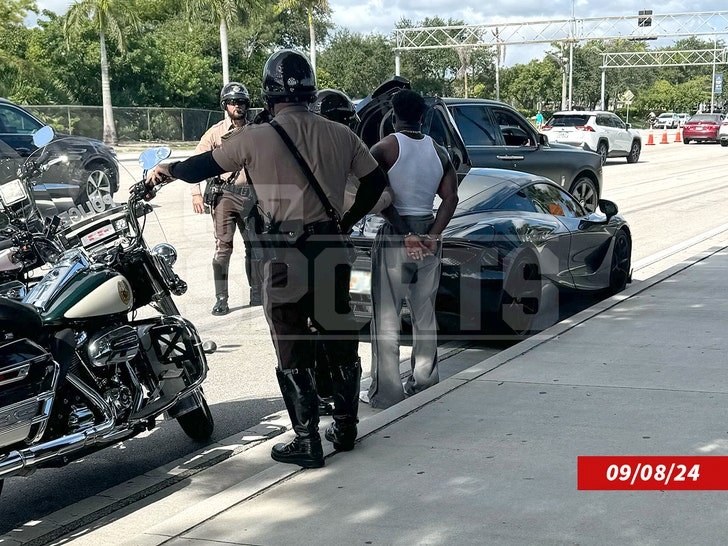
235	211
310	281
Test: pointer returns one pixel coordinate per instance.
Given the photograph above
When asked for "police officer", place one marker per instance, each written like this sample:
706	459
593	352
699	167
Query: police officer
312	242
232	202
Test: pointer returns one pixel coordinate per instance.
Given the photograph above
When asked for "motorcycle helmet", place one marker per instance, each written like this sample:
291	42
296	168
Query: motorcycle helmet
288	77
234	90
336	106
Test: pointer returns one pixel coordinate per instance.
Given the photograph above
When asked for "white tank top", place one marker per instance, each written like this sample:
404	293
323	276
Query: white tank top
415	176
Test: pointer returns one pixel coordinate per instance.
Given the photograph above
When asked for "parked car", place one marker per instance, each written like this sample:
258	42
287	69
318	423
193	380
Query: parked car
723	133
667	120
90	174
601	132
682	119
702	128
488	133
514	237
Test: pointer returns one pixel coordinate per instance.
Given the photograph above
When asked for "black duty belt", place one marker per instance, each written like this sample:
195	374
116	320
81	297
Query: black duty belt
324	227
243	190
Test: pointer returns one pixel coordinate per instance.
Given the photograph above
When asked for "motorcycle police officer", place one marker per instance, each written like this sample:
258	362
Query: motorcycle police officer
232	202
309	235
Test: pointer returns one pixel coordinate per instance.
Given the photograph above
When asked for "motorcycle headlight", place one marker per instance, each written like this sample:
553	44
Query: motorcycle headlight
166	253
12	192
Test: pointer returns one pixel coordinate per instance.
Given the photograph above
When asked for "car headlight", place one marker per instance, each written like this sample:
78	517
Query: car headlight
166	253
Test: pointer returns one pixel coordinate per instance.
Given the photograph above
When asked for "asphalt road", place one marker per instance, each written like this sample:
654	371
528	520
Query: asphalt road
673	194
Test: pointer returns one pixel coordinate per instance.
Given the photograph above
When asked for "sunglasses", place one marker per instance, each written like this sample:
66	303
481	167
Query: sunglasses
237	102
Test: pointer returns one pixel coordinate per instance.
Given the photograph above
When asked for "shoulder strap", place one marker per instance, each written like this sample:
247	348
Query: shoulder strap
330	210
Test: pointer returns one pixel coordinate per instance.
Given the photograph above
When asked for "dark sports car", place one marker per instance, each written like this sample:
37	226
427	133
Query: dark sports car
516	241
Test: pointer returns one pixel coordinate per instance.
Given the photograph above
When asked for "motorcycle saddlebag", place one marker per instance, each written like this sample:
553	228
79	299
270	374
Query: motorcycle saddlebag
28	377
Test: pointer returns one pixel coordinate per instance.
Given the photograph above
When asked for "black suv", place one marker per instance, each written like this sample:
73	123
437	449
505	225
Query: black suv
90	174
488	133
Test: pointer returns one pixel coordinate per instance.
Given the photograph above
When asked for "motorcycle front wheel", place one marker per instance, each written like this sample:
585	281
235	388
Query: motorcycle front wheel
198	424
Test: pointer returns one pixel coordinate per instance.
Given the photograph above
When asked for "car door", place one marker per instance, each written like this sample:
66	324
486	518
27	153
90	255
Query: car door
480	134
604	128
589	240
441	128
17	128
521	147
622	136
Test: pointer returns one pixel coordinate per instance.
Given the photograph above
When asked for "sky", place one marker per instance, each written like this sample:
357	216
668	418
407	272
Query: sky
381	15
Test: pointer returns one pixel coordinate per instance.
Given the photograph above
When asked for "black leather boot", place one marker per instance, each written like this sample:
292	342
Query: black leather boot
346	381
299	394
220	275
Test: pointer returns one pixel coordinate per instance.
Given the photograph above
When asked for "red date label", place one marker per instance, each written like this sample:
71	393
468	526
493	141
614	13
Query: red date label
605	473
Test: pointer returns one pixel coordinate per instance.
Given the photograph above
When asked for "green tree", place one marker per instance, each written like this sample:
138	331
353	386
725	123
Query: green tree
355	63
225	13
310	6
108	17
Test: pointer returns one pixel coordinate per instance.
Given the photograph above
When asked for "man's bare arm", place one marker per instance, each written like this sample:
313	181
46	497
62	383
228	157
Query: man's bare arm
448	192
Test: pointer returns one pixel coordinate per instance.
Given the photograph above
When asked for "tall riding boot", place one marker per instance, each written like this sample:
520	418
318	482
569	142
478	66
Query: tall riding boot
220	275
342	432
299	394
253	269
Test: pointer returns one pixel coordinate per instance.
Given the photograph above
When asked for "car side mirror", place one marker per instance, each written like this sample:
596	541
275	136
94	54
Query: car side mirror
629	125
608	208
543	140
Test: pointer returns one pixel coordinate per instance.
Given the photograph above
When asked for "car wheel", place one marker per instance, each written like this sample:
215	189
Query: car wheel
686	141
724	142
621	262
634	152
522	291
584	189
97	187
603	151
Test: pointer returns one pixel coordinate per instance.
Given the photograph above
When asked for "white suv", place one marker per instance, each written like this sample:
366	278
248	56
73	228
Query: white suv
601	132
723	133
667	120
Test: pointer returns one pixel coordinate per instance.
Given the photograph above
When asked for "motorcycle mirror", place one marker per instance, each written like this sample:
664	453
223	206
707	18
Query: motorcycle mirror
4	220
209	347
153	156
43	136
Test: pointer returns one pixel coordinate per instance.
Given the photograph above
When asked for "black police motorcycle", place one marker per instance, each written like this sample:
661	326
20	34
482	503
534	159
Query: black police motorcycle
78	371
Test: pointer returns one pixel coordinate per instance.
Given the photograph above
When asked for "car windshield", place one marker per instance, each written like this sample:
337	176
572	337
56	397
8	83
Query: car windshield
567	120
475	192
706	117
667	116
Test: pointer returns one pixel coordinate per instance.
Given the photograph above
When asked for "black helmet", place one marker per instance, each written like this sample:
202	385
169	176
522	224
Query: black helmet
288	77
234	90
336	106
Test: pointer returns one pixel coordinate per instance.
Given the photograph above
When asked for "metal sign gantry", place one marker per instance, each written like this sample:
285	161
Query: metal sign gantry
570	31
655	59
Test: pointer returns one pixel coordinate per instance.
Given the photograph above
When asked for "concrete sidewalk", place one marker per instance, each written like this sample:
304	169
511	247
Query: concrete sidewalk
488	456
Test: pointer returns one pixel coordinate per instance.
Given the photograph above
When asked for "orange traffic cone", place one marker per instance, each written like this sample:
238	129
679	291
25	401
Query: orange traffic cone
664	138
678	136
651	139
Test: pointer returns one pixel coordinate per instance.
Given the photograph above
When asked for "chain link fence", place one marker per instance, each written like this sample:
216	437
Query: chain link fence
132	124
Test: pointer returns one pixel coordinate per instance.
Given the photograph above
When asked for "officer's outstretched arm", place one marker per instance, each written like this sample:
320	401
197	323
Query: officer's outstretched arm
196	168
371	187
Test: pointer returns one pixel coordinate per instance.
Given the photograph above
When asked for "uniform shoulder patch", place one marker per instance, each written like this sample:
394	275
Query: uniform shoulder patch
232	133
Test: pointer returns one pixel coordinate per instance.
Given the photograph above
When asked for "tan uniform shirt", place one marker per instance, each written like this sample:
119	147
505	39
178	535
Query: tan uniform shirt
331	150
211	140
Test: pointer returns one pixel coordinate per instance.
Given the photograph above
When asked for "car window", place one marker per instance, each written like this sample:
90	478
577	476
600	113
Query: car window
616	122
438	129
567	120
706	117
475	125
604	121
15	121
549	199
517	201
514	132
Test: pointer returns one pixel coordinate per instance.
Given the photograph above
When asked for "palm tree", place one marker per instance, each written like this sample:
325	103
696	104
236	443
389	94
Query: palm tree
107	17
309	6
226	12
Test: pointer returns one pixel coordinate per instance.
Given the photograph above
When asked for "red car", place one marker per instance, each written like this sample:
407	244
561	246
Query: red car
702	128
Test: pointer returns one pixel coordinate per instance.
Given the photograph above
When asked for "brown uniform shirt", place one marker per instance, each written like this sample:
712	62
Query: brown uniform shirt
331	150
211	140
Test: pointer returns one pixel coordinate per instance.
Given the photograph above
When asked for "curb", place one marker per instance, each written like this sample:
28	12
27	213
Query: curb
252	487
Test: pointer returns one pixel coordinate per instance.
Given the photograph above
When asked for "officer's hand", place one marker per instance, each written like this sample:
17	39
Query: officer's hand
197	204
159	175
